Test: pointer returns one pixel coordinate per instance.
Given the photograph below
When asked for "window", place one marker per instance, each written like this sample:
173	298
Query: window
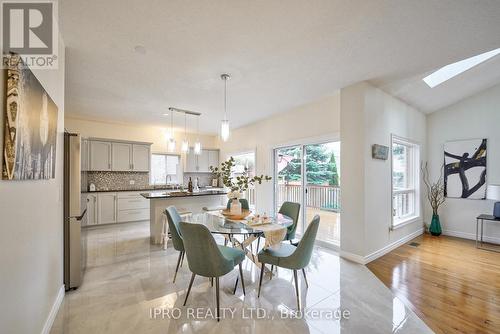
405	180
165	169
245	163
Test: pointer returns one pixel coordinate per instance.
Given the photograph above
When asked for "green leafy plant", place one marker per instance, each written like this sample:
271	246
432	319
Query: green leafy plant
238	183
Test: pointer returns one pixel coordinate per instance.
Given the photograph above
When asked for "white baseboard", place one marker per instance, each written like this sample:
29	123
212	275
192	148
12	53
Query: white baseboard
375	255
53	311
471	236
352	257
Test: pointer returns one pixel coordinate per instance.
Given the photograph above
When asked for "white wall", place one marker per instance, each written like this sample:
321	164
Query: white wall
135	132
369	116
31	241
474	117
318	120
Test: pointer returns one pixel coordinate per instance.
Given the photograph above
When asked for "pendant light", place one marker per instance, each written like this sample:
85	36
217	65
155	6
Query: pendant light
185	143
224	126
171	140
197	144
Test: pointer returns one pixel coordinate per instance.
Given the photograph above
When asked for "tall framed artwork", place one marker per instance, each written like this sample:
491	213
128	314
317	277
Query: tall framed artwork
465	168
30	127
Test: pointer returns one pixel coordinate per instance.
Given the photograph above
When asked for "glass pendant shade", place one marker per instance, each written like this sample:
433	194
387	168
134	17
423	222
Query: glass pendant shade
171	144
197	148
185	146
224	130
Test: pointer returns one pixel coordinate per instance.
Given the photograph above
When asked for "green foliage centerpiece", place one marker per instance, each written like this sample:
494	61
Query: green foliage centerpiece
237	185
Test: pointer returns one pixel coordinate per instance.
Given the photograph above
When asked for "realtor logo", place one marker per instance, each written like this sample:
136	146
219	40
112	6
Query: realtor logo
30	31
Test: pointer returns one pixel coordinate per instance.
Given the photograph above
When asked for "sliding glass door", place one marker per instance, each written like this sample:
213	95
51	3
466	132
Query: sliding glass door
288	180
310	175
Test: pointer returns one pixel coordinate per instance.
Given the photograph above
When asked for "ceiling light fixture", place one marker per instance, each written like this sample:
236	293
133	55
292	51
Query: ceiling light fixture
171	140
224	126
452	70
197	144
185	143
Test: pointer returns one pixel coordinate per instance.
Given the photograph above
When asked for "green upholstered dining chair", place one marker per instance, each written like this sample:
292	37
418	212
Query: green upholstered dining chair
244	204
207	259
174	219
291	210
291	257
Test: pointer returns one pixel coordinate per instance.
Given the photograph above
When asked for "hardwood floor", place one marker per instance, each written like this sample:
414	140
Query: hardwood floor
452	286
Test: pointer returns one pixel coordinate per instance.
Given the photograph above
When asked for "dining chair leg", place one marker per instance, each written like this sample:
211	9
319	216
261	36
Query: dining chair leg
225	242
189	288
305	277
217	297
235	285
182	261
242	281
177	267
258	244
261	276
297	288
271	272
212	281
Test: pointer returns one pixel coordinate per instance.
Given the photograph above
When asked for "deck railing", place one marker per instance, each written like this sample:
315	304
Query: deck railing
317	196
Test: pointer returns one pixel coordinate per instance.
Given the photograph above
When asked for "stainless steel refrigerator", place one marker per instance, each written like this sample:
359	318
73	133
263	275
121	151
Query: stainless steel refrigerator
75	243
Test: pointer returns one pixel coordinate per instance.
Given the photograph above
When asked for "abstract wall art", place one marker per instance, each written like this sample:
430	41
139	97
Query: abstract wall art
30	127
465	168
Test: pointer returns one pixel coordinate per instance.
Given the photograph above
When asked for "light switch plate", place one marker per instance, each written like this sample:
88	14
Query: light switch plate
131	182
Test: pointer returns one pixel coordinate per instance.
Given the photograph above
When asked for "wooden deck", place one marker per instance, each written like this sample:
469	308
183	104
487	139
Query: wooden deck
329	226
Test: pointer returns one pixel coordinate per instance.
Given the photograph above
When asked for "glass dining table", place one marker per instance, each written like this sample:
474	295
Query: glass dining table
231	229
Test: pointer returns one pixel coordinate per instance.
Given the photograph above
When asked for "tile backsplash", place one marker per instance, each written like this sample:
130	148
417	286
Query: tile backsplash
118	180
205	179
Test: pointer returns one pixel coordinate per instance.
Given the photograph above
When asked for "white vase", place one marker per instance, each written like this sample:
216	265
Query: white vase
235	207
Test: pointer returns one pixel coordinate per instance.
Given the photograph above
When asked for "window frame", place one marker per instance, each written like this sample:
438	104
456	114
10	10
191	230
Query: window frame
179	176
414	180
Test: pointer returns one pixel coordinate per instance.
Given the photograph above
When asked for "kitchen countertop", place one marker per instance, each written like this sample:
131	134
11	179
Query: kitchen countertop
151	190
175	194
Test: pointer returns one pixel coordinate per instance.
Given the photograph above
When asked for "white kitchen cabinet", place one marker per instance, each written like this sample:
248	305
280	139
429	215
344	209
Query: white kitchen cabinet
121	157
141	157
100	155
191	162
213	158
84	151
91	203
203	162
106	208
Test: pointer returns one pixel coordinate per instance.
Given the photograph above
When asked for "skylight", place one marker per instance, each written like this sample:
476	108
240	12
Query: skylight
452	70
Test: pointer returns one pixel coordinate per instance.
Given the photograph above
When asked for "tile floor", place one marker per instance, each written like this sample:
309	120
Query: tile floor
127	280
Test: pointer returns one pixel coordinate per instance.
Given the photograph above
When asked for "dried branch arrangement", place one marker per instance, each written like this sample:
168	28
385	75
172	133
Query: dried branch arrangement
435	191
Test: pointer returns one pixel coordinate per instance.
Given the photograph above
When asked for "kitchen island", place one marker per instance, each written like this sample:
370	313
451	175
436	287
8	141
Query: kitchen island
193	202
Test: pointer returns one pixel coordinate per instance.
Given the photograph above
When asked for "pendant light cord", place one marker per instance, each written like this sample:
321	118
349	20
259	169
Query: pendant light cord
225	98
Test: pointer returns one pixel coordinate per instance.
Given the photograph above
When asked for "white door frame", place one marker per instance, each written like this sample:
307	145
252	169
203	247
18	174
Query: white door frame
302	143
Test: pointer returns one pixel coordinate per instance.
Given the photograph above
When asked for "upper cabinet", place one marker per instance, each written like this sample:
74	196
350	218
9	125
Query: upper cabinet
85	155
213	158
141	157
201	163
118	156
100	155
121	157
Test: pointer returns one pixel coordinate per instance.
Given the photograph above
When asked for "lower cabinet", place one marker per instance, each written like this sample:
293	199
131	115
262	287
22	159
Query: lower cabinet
116	207
106	208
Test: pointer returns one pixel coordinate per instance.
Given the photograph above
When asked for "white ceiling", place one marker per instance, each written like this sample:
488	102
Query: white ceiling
280	54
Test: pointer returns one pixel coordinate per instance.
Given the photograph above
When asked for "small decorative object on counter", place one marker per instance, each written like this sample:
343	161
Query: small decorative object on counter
435	195
190	185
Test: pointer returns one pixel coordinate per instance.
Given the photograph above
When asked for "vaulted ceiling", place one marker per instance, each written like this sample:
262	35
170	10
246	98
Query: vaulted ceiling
130	60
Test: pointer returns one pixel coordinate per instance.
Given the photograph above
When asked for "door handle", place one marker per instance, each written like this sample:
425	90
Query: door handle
80	217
